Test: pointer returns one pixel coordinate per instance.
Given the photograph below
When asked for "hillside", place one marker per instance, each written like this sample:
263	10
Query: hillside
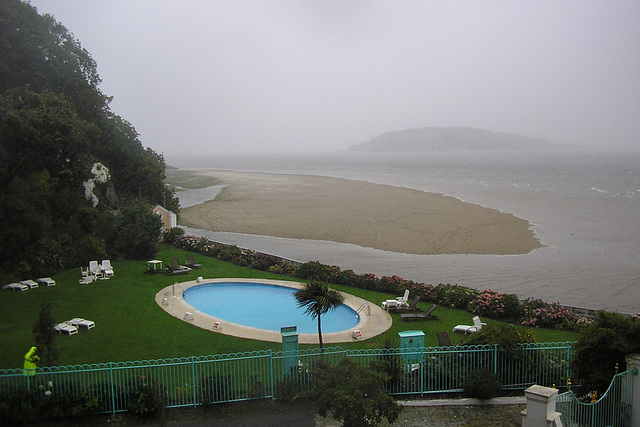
73	174
453	139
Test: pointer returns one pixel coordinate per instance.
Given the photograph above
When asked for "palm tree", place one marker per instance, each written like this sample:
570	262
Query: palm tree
318	299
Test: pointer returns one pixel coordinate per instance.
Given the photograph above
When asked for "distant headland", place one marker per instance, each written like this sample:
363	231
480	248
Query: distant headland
454	139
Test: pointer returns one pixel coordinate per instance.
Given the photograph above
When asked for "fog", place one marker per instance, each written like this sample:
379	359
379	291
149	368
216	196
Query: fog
202	76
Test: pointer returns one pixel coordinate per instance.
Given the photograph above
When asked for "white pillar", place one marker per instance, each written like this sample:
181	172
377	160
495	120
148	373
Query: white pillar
541	407
634	361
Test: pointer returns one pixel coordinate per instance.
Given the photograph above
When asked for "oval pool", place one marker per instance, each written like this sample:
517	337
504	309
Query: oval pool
264	306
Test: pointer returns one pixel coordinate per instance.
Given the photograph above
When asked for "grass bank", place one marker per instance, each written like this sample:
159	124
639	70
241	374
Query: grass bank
130	326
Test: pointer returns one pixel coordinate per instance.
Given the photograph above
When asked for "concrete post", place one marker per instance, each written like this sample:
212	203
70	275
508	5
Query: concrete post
634	364
541	407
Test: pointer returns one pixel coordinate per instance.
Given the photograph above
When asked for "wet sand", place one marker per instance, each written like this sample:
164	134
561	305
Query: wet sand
385	217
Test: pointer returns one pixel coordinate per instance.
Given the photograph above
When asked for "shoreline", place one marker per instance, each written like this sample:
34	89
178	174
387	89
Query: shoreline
379	216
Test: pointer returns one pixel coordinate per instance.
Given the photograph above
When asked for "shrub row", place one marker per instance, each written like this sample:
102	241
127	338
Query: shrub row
489	303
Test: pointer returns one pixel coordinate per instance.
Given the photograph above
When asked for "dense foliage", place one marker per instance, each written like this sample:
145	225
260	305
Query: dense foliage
601	346
56	125
352	393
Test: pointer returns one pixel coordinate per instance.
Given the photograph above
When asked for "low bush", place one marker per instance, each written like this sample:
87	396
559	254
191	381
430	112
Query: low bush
145	398
496	305
544	315
482	384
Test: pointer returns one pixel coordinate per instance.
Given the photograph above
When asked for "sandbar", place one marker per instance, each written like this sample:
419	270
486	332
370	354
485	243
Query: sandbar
378	216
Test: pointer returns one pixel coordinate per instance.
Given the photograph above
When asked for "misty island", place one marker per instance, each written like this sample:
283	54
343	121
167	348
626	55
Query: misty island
453	139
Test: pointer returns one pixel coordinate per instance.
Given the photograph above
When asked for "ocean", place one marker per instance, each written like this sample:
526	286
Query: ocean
584	206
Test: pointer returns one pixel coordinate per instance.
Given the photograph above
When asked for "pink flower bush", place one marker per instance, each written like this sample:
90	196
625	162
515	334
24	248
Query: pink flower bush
541	314
497	305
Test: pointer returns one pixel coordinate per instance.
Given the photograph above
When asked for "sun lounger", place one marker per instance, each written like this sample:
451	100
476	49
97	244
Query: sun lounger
421	316
398	302
65	328
468	329
46	281
443	339
30	283
175	268
82	323
410	307
87	280
15	287
191	262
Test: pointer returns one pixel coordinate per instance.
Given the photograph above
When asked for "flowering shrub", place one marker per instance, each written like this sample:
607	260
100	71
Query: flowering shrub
636	316
454	296
284	267
230	253
496	305
541	314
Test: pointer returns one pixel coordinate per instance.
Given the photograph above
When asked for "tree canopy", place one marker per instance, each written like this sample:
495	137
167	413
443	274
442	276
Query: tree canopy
55	125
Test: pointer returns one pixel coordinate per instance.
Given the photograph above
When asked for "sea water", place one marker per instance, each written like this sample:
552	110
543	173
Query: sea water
584	206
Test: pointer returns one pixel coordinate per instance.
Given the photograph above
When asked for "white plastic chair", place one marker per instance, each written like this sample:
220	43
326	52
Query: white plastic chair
469	329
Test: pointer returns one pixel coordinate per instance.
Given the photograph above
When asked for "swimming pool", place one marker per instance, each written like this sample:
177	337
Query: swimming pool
264	306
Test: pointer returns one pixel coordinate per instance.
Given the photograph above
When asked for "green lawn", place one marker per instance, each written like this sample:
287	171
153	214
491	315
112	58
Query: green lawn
130	326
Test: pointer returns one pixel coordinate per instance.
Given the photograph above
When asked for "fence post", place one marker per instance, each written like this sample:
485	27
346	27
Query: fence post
634	365
541	407
193	381
271	376
113	392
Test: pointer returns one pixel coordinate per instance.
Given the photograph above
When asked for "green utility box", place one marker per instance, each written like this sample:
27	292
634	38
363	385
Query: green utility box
290	348
411	344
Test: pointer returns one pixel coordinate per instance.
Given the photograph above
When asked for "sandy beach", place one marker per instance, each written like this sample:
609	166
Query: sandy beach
377	216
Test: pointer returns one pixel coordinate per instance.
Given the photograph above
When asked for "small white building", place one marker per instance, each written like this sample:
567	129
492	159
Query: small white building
168	218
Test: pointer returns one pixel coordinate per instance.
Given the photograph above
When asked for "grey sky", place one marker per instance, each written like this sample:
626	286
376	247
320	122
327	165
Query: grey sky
204	76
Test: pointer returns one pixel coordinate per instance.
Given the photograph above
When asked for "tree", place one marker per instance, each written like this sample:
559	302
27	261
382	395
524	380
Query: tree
352	393
136	232
602	345
45	336
55	124
318	298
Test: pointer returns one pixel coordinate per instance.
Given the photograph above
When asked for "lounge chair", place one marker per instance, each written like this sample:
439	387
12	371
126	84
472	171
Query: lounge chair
30	283
469	329
421	316
95	269
398	302
48	281
175	268
443	339
15	287
87	280
191	262
410	307
106	268
65	328
82	323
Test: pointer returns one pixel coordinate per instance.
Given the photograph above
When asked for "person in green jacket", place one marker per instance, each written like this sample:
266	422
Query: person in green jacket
30	360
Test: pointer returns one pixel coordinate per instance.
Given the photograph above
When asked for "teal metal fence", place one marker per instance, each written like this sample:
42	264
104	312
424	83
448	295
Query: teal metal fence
196	380
612	409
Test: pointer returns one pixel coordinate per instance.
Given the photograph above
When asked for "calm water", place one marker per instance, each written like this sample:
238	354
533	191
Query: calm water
264	306
584	207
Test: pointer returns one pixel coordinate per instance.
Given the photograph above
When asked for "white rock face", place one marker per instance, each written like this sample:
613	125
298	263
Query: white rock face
100	175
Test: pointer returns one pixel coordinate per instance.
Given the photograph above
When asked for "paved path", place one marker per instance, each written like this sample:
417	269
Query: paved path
464	412
267	413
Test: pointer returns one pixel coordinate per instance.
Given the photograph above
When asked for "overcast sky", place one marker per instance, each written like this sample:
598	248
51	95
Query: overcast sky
206	76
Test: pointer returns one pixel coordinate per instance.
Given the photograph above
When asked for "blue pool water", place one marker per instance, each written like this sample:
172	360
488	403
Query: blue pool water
264	306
